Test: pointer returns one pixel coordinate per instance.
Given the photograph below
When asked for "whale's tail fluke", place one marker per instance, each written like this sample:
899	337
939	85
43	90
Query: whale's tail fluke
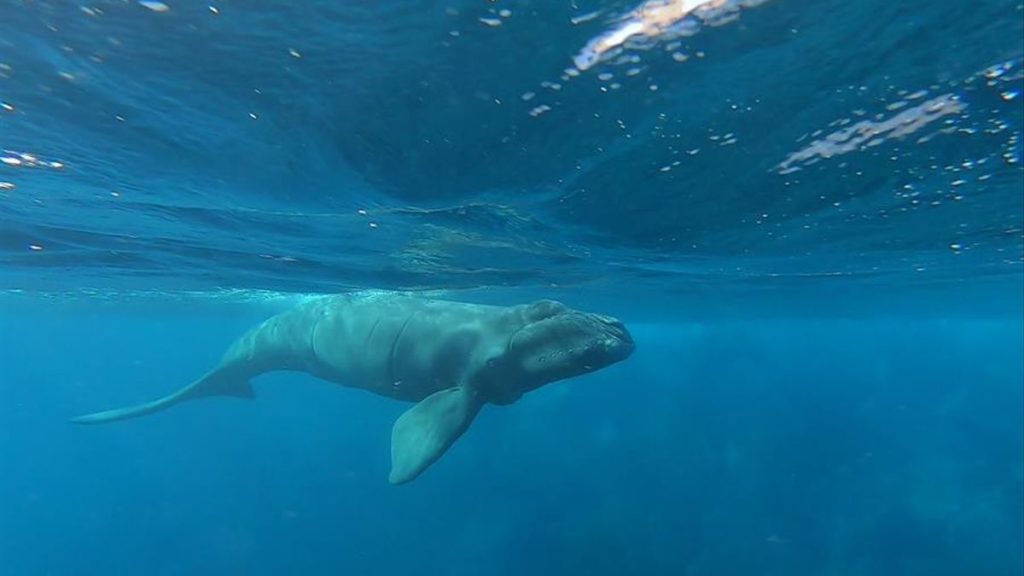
215	383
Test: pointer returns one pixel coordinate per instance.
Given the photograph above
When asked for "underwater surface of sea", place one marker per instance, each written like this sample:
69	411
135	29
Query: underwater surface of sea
808	213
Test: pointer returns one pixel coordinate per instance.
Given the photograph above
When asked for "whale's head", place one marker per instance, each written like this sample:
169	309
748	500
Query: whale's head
553	342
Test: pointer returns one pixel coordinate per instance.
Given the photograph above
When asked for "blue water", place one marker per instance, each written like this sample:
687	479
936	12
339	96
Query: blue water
809	214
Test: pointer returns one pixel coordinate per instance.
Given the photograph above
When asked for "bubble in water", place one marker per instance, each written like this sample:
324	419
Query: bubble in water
155	6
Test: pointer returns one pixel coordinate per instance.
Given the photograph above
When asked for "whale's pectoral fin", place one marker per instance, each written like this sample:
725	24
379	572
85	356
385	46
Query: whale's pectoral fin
423	433
216	383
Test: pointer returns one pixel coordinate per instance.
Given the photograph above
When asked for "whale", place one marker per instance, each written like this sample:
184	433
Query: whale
448	358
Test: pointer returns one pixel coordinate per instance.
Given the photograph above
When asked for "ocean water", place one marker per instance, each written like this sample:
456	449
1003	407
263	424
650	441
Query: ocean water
810	215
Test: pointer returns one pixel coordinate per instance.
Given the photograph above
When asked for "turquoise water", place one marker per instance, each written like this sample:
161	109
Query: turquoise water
809	214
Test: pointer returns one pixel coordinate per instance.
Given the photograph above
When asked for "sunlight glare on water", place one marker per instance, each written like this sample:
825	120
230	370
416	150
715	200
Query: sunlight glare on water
503	145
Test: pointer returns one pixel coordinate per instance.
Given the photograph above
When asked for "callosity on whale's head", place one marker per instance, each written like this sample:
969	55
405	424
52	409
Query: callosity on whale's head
557	342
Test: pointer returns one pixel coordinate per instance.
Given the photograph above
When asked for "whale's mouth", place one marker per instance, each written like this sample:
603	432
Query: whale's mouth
568	343
617	336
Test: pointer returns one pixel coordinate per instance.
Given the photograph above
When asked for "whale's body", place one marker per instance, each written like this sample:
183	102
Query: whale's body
449	358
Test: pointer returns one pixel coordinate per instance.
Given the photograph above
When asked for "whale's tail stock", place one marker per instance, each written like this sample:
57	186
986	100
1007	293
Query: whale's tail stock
215	383
266	347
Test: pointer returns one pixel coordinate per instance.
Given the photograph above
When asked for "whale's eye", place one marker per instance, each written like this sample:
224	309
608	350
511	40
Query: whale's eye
493	362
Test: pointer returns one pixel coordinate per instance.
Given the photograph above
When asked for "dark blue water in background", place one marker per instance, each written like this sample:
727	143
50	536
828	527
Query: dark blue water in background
867	446
809	214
